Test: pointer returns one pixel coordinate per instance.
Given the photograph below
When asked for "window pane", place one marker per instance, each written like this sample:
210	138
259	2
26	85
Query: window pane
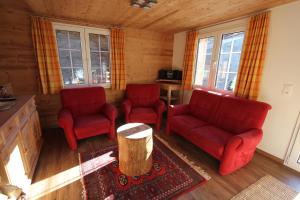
64	58
204	60
231	81
70	56
223	62
76	58
95	59
235	61
67	75
78	75
104	60
229	60
238	42
75	42
94	42
62	39
99	54
104	42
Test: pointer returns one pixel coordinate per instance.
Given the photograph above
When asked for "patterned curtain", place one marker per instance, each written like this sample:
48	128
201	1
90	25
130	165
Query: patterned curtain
46	53
189	59
117	40
253	57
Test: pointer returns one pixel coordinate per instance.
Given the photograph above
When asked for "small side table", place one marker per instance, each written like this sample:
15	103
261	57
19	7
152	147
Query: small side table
135	148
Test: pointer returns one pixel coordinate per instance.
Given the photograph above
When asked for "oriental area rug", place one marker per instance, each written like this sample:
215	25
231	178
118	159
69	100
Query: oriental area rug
171	175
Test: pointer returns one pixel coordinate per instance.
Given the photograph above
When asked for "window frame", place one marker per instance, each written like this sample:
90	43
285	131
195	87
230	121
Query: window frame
217	33
85	49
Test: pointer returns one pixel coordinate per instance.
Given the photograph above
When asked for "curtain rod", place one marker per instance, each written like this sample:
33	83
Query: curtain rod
75	22
230	20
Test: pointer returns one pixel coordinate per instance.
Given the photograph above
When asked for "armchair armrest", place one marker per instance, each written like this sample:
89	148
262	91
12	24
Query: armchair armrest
239	150
65	121
110	111
159	107
127	105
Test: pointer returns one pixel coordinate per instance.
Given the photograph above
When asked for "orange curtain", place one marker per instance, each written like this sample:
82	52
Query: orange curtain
253	57
46	53
189	59
117	40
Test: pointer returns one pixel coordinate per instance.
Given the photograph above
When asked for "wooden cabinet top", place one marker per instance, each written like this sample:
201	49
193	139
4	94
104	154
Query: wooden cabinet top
20	101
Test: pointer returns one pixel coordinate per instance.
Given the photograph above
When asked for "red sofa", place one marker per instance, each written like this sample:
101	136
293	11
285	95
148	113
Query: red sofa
227	128
142	104
85	113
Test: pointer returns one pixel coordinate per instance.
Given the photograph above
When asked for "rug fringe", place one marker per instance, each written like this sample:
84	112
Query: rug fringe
198	169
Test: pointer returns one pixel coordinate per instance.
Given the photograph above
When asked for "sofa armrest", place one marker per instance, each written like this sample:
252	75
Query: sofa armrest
239	150
65	121
178	110
110	111
159	107
173	111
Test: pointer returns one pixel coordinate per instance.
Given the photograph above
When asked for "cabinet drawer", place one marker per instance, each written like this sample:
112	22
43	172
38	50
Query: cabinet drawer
9	130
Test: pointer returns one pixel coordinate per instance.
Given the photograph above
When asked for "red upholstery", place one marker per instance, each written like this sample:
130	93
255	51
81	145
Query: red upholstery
142	104
211	139
85	113
227	128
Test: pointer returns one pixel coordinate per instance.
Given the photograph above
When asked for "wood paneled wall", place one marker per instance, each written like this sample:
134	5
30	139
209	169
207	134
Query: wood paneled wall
145	53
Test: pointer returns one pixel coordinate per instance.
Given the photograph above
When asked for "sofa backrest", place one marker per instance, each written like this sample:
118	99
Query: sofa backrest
83	101
204	104
239	115
144	95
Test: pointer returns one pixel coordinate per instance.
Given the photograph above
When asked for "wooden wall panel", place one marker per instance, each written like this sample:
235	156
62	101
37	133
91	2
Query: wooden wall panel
145	53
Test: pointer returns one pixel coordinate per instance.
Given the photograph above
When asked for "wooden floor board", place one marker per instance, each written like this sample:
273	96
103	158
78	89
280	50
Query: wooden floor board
57	158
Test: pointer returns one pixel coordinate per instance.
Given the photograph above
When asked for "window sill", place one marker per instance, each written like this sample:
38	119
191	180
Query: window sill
106	86
213	90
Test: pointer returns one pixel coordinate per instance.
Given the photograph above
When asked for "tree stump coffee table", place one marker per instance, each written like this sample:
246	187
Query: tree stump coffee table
135	148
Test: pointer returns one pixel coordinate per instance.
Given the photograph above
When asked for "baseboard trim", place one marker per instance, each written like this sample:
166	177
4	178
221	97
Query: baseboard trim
270	156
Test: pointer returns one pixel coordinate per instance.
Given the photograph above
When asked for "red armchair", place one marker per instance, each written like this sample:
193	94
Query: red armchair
227	128
142	104
85	113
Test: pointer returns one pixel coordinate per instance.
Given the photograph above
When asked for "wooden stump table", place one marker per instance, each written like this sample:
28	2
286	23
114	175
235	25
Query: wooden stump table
135	148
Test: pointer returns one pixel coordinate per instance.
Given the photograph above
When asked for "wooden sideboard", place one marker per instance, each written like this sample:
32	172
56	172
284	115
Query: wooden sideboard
20	142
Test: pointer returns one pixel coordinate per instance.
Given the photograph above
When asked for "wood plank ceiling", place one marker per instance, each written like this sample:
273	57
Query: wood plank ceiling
166	16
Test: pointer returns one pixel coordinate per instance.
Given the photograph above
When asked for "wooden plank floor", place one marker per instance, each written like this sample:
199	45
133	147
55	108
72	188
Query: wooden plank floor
57	162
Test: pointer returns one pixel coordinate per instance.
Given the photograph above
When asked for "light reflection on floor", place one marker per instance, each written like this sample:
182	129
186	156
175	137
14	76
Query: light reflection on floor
69	176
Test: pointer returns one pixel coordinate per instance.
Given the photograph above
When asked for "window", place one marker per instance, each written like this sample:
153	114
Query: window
218	59
84	55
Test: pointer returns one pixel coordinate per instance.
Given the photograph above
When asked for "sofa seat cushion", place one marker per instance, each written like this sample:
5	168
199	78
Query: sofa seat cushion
183	124
143	114
211	139
91	125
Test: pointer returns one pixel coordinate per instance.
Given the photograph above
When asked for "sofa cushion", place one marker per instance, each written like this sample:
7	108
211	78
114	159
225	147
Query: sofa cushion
204	104
182	124
83	101
211	139
239	115
142	95
143	114
90	125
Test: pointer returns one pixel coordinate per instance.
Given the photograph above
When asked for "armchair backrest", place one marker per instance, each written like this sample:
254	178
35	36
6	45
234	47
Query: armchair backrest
83	101
144	95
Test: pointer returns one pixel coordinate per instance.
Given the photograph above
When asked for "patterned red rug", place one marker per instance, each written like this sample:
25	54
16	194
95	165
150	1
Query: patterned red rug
170	176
